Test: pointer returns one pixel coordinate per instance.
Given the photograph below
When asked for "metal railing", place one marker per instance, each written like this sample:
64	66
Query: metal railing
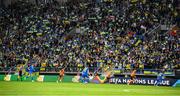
152	33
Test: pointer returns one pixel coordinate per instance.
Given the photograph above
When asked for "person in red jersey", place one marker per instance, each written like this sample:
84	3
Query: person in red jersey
133	76
61	75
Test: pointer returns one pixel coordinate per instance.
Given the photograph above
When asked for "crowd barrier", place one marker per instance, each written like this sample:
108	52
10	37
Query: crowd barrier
40	78
113	80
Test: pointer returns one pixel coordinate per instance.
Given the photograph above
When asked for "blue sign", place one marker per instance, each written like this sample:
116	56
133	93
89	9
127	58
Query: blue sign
143	81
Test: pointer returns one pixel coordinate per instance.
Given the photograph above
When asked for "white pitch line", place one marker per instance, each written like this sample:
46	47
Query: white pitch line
125	90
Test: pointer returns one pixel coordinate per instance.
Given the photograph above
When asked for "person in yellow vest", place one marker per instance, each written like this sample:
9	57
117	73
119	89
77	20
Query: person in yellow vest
20	73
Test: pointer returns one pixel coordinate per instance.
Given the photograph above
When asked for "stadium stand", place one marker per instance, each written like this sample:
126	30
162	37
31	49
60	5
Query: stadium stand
95	33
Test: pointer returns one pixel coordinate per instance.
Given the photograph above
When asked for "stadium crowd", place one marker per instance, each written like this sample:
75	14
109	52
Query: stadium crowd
95	34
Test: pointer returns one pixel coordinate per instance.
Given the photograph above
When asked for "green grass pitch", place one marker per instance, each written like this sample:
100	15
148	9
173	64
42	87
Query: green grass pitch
79	89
